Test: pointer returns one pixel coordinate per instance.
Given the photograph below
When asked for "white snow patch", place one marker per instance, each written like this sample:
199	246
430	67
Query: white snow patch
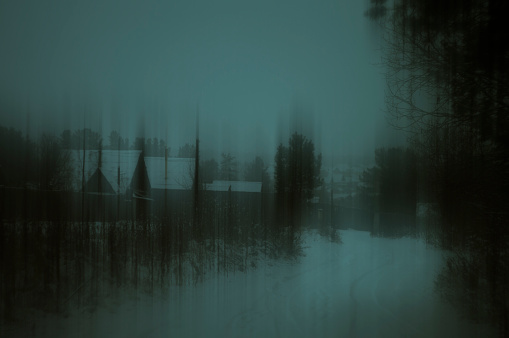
364	287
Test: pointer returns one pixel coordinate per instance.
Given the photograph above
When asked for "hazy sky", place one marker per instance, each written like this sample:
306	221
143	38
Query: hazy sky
148	65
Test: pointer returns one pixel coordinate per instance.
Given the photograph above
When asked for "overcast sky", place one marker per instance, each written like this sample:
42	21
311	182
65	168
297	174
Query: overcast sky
149	65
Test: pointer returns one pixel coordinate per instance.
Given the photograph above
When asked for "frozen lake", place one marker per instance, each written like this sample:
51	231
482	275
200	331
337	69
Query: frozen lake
365	287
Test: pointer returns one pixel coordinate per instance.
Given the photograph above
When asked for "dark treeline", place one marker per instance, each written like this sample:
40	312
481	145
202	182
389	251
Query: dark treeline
89	139
448	80
57	265
229	169
388	191
296	176
31	163
62	247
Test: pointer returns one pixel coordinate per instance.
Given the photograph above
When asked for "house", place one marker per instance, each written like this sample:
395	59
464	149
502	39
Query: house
127	184
100	182
116	167
171	181
245	196
170	173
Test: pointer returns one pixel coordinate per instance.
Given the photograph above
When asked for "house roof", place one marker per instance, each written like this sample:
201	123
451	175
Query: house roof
140	182
112	161
177	174
180	174
236	186
99	184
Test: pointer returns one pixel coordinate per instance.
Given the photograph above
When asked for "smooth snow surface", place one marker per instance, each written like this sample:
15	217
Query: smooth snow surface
365	287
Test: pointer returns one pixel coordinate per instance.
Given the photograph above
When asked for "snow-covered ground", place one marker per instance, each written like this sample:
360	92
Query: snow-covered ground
365	287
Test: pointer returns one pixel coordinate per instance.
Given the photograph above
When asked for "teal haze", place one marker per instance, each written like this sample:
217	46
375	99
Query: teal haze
146	67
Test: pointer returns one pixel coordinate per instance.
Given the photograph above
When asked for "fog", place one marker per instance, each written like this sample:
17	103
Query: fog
267	168
108	65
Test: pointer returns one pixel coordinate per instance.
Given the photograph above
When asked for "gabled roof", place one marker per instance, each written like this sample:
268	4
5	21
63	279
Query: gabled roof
236	186
172	173
117	167
140	183
175	174
98	183
180	174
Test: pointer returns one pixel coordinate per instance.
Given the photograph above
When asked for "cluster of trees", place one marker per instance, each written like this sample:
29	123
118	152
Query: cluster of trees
60	264
390	190
58	255
187	151
55	263
117	142
45	162
38	163
151	146
448	81
14	151
296	176
228	169
81	138
256	171
92	140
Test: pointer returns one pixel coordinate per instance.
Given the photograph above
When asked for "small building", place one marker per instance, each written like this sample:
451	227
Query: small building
245	196
170	173
127	184
117	167
101	181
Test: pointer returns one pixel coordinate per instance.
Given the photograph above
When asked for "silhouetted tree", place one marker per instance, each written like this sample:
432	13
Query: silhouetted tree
155	147
296	176
92	139
377	11
125	144
187	151
396	174
65	139
448	80
149	147
229	167
15	151
139	143
55	171
115	140
209	170
368	180
256	171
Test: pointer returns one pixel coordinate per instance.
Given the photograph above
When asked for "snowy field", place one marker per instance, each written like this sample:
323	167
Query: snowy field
365	287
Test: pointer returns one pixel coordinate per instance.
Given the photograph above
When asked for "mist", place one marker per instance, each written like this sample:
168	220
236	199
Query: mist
288	168
107	66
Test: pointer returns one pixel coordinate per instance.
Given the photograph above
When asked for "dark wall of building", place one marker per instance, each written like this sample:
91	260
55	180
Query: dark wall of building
58	205
249	207
75	206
